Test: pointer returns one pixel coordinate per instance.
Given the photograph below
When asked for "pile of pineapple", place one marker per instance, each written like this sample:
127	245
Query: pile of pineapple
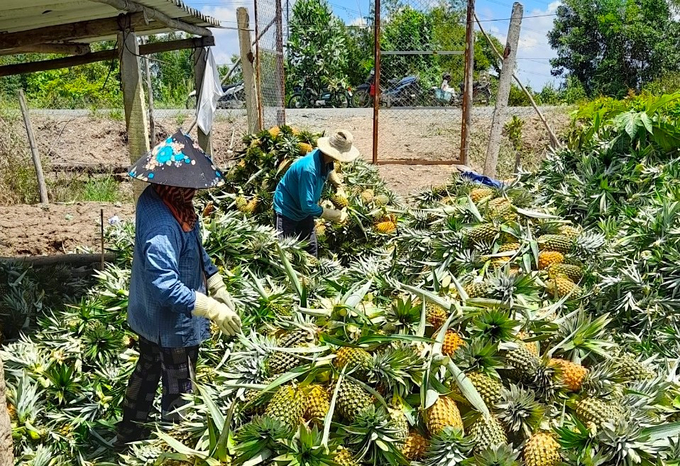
458	329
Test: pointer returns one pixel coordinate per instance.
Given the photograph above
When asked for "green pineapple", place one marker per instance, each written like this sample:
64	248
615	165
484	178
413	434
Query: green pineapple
573	272
489	388
559	243
484	233
522	363
281	361
487	433
352	399
628	368
596	411
478	289
358	360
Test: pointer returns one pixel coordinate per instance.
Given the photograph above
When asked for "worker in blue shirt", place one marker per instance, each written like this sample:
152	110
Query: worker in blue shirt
169	308
296	200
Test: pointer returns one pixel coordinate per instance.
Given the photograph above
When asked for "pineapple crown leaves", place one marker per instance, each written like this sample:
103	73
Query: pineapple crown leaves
499	455
519	411
397	369
625	443
261	438
375	437
448	448
305	448
479	355
493	325
581	335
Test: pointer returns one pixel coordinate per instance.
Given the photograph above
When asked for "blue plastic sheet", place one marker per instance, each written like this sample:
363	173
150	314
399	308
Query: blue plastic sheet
476	177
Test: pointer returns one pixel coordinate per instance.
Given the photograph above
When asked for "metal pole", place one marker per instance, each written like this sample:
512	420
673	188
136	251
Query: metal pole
469	82
376	79
280	82
504	82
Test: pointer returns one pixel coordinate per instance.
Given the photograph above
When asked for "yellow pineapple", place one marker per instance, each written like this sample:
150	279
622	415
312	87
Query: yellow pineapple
452	341
569	231
414	447
352	357
339	201
318	403
509	247
344	457
287	405
478	194
386	227
367	196
548	258
274	131
542	450
443	413
570	373
573	272
305	148
435	315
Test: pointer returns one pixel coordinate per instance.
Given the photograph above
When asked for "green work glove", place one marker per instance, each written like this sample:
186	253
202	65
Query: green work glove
333	215
218	290
226	319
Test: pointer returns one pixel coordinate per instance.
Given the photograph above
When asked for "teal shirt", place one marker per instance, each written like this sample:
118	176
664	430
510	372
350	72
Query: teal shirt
299	191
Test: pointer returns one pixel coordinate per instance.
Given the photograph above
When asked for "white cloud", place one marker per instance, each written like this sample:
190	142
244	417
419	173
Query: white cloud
226	38
533	66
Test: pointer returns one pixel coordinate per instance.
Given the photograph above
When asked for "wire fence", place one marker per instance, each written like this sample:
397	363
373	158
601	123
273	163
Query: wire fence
269	62
420	67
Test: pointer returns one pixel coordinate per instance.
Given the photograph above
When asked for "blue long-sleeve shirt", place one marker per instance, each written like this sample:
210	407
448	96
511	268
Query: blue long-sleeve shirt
297	194
168	267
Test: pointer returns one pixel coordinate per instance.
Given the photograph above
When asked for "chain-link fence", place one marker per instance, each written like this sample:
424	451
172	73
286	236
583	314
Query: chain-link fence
421	66
269	62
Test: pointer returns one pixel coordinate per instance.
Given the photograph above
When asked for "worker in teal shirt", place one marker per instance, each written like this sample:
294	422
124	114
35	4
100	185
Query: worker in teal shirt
296	200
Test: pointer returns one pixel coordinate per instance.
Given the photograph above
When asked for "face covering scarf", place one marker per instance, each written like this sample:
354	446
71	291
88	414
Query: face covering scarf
180	203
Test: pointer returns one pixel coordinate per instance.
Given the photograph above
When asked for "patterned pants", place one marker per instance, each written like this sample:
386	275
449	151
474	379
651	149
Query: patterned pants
176	367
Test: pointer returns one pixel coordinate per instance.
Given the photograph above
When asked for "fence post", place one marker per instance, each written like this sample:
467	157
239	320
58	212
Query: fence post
247	67
469	82
505	81
281	81
34	148
376	79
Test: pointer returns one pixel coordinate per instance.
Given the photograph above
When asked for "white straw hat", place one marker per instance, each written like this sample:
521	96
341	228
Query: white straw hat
339	146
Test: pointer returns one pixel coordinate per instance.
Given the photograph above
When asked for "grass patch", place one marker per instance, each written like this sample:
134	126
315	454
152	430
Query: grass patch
95	189
101	190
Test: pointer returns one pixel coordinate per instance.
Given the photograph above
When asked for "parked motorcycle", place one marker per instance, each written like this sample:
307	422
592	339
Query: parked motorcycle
308	97
481	92
234	97
405	92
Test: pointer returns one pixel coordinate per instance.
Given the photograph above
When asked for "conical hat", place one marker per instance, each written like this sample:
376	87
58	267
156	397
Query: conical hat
177	161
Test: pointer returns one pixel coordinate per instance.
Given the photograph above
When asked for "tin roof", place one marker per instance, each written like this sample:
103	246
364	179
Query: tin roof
27	15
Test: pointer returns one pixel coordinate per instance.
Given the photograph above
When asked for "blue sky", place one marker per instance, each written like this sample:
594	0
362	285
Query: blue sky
533	54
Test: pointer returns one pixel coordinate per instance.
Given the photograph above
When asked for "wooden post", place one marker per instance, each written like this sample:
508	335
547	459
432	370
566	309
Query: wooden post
466	125
553	139
376	79
281	81
505	81
34	148
247	67
149	91
133	99
200	62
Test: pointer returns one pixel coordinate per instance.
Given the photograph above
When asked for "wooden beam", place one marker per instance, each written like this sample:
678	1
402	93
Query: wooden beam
71	31
133	99
418	162
74	260
247	69
150	13
147	49
64	49
200	68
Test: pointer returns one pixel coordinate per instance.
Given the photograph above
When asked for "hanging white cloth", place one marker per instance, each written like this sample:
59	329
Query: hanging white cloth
211	91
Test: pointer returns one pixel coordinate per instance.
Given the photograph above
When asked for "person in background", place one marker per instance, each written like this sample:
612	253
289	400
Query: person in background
296	200
169	308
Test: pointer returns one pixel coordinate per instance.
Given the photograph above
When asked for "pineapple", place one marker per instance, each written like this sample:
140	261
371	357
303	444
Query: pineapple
571	374
344	457
484	233
597	412
557	243
570	232
339	201
478	194
305	148
358	359
435	315
280	361
488	387
367	196
503	211
478	289
509	247
444	413
241	203
452	341
287	406
628	368
548	258
414	447
399	422
522	362
542	450
386	227
561	286
487	433
573	272
274	131
318	403
519	411
352	399
381	200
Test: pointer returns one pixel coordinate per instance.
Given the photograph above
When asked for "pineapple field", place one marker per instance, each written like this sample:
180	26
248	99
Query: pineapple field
534	324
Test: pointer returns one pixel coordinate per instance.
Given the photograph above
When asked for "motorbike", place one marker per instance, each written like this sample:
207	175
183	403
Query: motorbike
308	97
481	92
441	98
405	92
234	97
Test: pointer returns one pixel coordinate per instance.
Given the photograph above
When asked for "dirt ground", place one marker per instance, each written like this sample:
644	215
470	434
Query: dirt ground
56	228
67	138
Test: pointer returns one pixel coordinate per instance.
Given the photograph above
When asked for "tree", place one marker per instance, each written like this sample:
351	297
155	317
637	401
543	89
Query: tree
316	46
611	46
